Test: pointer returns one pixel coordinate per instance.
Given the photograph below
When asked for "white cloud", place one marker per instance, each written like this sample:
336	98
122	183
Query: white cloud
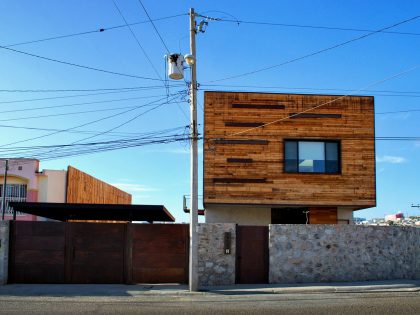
391	159
134	188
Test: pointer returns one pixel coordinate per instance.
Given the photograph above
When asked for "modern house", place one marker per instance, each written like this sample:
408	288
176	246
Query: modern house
26	183
287	158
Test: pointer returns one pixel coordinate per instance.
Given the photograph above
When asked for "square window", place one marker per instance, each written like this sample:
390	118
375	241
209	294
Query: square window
314	156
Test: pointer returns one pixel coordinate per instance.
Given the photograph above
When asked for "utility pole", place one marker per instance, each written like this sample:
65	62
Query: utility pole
3	204
193	266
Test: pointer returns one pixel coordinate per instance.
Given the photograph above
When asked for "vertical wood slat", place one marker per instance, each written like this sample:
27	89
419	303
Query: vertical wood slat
84	188
128	255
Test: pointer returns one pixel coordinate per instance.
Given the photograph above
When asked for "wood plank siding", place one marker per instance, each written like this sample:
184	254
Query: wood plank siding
244	163
83	188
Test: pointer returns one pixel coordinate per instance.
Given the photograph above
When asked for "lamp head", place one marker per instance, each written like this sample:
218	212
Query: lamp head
189	59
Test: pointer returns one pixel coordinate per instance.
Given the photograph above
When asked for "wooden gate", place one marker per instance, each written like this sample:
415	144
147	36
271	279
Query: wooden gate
159	253
57	252
96	253
37	252
252	254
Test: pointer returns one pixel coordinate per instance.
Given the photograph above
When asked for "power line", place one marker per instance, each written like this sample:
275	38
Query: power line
325	103
78	126
154	26
128	89
138	42
79	65
117	134
307	88
79	104
75	113
311	26
95	147
100	30
399	111
316	52
119	125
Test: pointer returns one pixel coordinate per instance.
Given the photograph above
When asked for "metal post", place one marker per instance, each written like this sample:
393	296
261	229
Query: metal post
193	270
3	204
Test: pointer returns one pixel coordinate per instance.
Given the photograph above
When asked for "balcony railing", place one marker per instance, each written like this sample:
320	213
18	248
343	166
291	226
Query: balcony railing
8	209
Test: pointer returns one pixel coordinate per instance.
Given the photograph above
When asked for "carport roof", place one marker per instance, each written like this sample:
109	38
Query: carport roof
99	212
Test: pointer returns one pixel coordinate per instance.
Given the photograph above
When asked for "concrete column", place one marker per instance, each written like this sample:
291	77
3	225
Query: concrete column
4	251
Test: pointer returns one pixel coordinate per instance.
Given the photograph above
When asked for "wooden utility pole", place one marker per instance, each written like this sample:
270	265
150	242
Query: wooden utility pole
3	204
193	263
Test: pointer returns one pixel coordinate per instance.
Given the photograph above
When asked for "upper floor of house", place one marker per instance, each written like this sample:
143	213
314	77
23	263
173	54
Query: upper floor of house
289	150
25	182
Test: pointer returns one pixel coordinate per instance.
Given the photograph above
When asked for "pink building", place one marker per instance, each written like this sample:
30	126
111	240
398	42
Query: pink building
25	182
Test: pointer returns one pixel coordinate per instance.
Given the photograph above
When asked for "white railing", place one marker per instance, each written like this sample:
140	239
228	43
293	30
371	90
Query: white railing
9	210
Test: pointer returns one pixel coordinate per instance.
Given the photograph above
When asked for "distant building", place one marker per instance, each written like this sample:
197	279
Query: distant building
394	217
25	182
359	220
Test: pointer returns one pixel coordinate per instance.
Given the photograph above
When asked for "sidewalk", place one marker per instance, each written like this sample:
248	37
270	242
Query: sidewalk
116	290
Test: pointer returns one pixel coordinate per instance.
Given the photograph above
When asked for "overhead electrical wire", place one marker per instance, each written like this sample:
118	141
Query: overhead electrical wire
100	30
311	26
79	65
322	104
78	126
67	150
116	134
79	104
315	52
150	87
92	147
76	113
119	125
138	42
154	26
166	47
395	92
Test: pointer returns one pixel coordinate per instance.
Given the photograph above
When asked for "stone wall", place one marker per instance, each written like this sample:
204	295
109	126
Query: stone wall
317	253
214	266
4	251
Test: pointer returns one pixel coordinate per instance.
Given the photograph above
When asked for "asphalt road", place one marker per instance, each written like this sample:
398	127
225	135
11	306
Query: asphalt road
214	304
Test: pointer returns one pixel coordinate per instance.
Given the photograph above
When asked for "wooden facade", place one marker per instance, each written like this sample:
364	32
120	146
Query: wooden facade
244	150
83	188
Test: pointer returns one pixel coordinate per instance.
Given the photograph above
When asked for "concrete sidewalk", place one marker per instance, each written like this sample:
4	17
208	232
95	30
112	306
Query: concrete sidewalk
116	290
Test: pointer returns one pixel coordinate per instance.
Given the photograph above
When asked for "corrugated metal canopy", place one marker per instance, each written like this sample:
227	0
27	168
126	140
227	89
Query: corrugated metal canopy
99	212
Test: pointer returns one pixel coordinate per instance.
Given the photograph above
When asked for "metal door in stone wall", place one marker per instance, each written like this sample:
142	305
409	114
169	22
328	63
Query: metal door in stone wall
251	254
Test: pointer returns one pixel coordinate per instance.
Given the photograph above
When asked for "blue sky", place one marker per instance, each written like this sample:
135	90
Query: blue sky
159	174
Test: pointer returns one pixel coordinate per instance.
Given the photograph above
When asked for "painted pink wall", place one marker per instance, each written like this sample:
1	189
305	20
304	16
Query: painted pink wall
29	170
32	196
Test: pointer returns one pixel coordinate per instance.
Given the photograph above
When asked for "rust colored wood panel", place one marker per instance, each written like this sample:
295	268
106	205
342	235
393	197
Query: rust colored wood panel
322	215
96	252
353	187
160	253
37	252
252	254
83	188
